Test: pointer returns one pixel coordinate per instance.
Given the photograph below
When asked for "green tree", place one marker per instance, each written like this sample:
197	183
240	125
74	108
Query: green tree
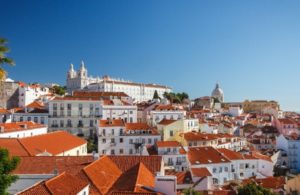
176	97
59	90
155	95
7	165
4	59
91	146
191	191
253	189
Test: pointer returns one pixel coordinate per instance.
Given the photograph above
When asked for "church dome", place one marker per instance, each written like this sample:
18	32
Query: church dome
218	93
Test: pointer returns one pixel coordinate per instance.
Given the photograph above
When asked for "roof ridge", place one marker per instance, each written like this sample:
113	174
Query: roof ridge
141	168
26	149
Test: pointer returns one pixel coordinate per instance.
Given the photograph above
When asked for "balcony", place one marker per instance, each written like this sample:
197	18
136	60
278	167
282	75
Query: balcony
54	126
69	125
80	125
178	163
170	164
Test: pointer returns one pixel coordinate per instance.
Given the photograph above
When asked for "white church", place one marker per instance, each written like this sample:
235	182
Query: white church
79	80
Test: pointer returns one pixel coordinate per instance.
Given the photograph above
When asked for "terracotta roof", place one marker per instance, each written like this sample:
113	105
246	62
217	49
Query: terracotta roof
200	172
269	182
38	144
137	126
205	155
35	104
4	111
20	126
197	136
162	144
166	122
61	184
65	184
286	121
14	147
153	163
47	164
111	123
182	177
231	155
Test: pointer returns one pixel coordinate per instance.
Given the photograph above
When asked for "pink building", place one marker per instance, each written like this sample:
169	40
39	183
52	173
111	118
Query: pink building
286	126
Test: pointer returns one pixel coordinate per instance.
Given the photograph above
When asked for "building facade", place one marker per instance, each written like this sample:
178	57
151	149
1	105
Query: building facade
79	80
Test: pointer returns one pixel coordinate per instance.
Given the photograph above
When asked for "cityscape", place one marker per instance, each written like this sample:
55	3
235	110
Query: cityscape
131	131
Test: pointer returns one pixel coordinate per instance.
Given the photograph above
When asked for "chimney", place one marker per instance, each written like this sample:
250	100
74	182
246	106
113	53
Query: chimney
1	129
166	184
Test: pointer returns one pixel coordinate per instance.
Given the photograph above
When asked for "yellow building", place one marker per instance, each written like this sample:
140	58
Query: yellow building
169	129
259	105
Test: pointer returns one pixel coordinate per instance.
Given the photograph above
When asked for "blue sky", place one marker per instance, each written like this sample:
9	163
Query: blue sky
252	48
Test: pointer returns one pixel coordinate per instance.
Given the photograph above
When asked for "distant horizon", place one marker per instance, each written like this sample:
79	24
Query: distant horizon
251	48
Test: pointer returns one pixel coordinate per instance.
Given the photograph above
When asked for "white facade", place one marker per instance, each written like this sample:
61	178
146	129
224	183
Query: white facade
30	93
173	158
158	115
138	91
79	116
23	132
117	140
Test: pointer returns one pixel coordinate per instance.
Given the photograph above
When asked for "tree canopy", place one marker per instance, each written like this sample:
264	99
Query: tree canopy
7	165
3	58
176	97
253	189
59	90
155	95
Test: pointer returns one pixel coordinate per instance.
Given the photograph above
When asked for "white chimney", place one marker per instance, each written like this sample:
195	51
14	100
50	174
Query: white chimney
1	129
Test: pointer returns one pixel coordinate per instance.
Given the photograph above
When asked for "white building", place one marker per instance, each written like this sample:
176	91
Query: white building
169	112
21	129
35	112
79	114
77	80
291	145
225	165
118	138
174	155
30	93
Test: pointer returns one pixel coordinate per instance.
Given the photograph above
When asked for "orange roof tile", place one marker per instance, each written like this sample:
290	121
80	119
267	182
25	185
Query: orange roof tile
200	172
205	155
20	126
166	122
4	111
14	147
137	126
103	173
162	144
49	143
111	123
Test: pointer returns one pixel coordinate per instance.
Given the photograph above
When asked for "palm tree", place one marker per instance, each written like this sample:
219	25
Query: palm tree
3	58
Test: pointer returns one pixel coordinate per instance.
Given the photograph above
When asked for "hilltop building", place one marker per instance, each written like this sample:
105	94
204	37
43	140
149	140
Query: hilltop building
79	80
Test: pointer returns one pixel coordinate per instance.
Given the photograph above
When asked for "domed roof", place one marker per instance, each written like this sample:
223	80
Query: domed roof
217	92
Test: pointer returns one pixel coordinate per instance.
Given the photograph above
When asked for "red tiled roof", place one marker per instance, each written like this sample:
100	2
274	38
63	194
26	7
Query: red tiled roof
14	147
182	177
200	172
205	155
269	182
231	155
47	164
111	123
137	126
153	163
20	126
162	144
4	111
197	136
166	122
49	143
286	121
166	107
35	104
61	184
103	173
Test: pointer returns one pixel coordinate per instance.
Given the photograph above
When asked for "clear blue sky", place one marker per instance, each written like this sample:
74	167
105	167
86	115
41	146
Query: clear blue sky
252	48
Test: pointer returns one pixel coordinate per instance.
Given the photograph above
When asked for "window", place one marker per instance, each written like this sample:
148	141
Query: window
112	152
112	140
130	141
103	140
241	174
113	132
226	169
220	170
91	123
103	151
214	170
121	140
121	131
247	165
215	181
35	119
69	106
21	119
121	151
29	118
149	141
130	151
103	132
171	133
